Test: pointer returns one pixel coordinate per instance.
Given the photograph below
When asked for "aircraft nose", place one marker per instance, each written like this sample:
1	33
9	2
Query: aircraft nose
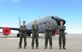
57	19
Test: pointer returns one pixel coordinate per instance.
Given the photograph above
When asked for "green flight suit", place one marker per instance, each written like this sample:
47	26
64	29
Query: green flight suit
35	35
23	35
62	38
48	36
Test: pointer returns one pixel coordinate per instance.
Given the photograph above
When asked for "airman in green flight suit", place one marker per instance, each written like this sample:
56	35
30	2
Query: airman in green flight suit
23	35
48	35
35	34
62	38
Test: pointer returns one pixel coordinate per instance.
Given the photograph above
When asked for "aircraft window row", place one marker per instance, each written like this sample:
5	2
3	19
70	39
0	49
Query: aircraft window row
42	23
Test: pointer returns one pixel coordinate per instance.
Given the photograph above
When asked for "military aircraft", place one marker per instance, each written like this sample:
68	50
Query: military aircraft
54	22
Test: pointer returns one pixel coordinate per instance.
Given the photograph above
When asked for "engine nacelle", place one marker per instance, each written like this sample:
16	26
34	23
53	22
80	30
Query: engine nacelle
55	32
6	31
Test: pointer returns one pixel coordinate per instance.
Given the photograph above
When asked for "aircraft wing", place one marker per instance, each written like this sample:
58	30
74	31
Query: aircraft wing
17	29
6	31
10	28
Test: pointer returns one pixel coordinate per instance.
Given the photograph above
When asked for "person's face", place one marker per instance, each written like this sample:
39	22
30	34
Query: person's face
35	22
61	23
47	23
23	23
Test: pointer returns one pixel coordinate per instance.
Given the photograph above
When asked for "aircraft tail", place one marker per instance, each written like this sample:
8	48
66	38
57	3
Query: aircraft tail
19	21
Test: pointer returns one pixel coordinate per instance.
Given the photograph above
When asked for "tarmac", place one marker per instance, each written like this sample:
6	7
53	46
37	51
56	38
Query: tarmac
73	44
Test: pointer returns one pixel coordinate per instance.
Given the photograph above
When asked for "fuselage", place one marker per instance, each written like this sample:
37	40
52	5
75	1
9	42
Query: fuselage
42	23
